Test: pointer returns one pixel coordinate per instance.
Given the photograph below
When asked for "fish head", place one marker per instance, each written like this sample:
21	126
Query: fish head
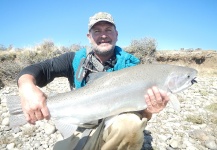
181	78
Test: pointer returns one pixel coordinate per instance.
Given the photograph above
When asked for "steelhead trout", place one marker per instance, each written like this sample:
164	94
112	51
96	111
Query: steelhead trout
111	94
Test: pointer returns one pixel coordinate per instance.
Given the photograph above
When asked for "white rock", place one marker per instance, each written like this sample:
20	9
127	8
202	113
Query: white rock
10	146
191	148
174	144
211	145
5	121
49	129
45	146
59	137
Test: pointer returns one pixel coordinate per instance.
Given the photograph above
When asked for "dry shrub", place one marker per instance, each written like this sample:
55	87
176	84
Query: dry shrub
212	107
43	51
30	57
12	62
1	86
195	119
9	71
38	53
7	55
75	47
2	48
144	49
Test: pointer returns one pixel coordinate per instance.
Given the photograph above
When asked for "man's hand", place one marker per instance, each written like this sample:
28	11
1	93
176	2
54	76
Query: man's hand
156	101
33	100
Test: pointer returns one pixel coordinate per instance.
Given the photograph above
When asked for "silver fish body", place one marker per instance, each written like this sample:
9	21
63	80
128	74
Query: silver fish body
117	92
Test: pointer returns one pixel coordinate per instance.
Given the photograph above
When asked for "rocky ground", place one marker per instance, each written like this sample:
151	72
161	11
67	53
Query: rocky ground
194	127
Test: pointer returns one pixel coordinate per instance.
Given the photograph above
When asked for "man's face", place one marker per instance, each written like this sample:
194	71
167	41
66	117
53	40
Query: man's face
103	37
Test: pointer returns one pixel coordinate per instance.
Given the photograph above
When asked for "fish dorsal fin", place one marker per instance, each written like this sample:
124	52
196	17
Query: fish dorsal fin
95	76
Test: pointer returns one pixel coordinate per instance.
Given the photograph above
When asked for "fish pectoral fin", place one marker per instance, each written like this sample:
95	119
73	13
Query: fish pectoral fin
66	129
174	102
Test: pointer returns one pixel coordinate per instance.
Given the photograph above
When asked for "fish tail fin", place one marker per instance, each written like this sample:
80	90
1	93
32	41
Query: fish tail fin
17	117
17	120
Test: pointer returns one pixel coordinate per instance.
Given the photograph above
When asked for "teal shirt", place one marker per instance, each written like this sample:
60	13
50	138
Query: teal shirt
124	60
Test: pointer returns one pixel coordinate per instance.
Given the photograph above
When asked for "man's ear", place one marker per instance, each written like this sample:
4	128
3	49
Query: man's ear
88	36
117	34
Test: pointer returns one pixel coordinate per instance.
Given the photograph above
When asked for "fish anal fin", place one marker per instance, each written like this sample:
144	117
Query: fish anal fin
66	129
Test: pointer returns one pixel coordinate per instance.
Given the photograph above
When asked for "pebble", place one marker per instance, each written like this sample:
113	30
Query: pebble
211	145
5	121
190	128
49	129
10	146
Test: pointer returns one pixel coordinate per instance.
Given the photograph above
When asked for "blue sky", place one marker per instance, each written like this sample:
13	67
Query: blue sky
174	24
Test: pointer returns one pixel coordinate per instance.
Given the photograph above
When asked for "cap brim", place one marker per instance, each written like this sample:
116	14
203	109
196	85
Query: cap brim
100	21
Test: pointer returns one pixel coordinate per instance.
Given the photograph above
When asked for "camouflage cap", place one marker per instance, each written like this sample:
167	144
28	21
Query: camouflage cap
100	16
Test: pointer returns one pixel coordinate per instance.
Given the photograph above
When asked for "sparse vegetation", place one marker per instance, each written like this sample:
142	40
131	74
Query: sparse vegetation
212	108
195	119
29	131
144	49
203	92
13	60
213	118
7	139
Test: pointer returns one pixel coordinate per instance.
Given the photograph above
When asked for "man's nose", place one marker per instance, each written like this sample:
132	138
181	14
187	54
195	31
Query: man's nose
104	34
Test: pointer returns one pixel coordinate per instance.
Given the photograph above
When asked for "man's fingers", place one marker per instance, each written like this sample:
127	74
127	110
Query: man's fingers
39	115
158	95
147	100
32	116
156	99
45	112
165	97
151	97
27	117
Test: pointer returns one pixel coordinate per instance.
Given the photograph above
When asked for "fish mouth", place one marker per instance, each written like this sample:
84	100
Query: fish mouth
193	81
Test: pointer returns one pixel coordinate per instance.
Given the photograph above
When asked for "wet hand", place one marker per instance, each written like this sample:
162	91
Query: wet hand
156	100
33	102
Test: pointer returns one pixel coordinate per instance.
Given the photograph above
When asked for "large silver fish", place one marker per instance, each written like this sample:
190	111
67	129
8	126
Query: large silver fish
111	94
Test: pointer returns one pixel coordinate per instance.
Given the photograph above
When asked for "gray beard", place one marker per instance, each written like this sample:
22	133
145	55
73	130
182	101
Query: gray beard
104	53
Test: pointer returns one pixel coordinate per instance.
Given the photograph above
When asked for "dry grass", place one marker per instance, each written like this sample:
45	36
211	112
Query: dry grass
212	107
195	119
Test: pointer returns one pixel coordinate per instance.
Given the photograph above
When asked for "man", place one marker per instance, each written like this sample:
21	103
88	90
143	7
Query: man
125	132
